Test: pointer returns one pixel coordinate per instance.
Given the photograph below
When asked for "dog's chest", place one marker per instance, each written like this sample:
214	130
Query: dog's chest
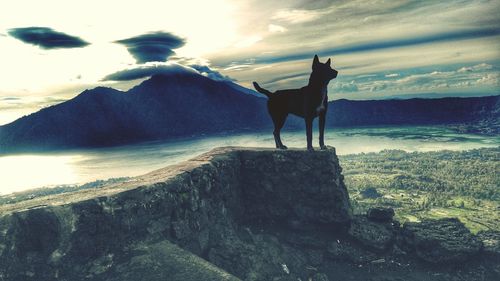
324	91
322	95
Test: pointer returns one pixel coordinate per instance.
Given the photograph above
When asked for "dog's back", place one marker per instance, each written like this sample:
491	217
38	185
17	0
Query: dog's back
290	100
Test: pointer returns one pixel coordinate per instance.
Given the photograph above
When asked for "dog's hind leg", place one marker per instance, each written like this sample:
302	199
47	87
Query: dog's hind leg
279	121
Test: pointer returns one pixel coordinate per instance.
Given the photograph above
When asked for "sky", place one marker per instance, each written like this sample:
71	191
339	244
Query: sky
50	51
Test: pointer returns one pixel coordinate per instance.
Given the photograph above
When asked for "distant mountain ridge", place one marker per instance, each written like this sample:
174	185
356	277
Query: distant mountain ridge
417	111
187	104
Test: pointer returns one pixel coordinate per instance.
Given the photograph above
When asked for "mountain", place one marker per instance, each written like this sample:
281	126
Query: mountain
164	106
187	104
413	111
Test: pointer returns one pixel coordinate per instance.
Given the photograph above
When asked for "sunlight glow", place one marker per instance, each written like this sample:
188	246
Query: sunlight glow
20	172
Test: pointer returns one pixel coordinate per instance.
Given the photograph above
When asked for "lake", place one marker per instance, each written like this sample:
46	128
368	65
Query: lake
25	171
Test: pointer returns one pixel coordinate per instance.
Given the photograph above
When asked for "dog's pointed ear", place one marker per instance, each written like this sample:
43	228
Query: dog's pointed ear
315	61
328	62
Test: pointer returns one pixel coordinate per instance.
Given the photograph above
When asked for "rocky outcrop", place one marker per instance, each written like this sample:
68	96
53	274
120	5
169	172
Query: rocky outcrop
159	261
211	206
491	243
375	235
380	214
233	214
441	241
293	188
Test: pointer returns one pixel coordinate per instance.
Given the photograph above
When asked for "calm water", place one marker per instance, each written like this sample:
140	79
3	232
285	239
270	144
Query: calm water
25	171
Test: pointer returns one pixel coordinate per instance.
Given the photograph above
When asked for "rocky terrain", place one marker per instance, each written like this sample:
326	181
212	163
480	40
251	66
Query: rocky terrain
234	214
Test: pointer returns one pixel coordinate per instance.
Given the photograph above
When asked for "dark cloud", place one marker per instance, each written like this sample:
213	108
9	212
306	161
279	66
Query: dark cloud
147	71
169	68
11	98
286	77
152	47
46	38
379	45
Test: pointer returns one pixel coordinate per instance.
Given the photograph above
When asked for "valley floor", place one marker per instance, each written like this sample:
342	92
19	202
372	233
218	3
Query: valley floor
462	184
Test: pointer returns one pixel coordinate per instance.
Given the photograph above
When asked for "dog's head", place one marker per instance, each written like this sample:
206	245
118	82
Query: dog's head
323	71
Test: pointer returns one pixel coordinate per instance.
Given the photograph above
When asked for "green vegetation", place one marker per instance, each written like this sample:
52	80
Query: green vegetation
464	184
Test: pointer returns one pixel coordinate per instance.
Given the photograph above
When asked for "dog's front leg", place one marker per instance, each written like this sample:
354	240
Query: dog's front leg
309	134
322	121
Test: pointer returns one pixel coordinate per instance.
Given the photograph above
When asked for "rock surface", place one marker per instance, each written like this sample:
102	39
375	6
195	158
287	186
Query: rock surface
380	214
491	242
377	236
160	261
233	214
294	188
441	241
198	205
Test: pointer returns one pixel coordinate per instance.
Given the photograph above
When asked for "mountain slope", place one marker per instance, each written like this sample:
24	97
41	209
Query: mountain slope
164	106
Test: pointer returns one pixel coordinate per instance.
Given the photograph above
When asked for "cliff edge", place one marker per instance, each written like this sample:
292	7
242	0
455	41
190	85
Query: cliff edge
205	207
233	214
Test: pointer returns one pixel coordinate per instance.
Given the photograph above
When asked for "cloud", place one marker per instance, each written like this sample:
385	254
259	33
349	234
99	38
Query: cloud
237	67
248	41
362	28
148	70
297	15
36	102
276	28
386	44
46	38
490	79
7	99
370	37
210	73
349	87
465	78
286	77
151	47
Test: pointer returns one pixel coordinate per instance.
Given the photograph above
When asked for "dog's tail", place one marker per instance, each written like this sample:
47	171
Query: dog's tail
262	90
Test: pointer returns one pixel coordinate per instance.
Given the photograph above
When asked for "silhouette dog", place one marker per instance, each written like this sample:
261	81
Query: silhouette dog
307	102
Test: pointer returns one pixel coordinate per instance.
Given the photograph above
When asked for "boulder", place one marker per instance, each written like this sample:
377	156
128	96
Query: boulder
380	214
491	242
440	241
374	235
